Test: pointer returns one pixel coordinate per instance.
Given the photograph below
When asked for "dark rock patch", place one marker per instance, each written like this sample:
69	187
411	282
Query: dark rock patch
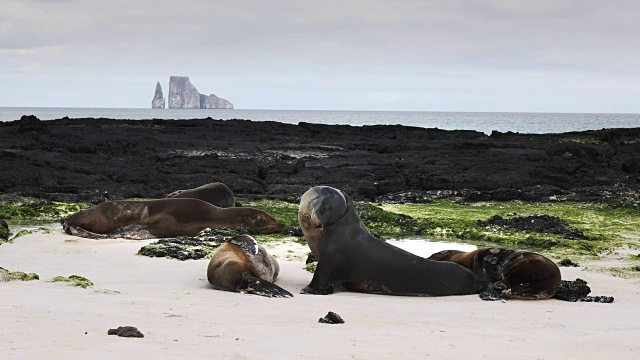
578	290
293	231
572	290
544	224
126	331
310	258
29	123
331	318
405	197
568	263
191	248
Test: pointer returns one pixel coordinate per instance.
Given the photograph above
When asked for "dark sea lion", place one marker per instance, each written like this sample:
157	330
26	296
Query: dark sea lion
348	255
511	274
164	218
217	194
244	266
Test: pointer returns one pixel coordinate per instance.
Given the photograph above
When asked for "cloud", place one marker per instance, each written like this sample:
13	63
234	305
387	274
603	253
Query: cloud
388	46
483	33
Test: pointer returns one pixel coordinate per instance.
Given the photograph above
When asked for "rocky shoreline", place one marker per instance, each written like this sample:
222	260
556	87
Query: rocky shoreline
93	160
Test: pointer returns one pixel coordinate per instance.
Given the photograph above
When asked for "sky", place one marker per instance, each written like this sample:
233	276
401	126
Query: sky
402	55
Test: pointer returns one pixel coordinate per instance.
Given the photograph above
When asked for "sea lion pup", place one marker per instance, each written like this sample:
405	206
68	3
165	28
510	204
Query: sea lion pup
216	193
511	274
348	255
244	266
164	218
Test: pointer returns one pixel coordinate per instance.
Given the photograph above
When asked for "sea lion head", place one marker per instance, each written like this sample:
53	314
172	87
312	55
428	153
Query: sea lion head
260	221
445	255
320	207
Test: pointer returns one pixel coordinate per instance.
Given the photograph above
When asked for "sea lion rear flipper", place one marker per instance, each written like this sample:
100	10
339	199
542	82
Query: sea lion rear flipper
258	286
488	292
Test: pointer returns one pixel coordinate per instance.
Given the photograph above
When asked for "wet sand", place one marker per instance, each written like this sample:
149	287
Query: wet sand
171	303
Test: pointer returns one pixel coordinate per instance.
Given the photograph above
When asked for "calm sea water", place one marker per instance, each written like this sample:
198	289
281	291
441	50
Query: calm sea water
485	122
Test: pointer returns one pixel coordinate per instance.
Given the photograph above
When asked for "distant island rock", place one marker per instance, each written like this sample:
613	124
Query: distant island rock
183	95
158	98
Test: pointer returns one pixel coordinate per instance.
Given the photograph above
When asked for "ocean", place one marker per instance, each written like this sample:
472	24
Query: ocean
538	123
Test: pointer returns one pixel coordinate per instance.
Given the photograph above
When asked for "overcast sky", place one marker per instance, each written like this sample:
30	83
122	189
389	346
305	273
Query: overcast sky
454	55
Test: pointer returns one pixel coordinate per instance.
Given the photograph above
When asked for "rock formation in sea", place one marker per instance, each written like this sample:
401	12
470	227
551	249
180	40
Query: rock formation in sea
214	102
183	95
158	98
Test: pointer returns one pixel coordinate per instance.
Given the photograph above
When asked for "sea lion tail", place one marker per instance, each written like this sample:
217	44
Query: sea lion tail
262	287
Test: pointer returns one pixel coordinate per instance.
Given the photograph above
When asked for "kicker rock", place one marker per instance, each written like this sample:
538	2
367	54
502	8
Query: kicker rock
214	102
182	94
158	98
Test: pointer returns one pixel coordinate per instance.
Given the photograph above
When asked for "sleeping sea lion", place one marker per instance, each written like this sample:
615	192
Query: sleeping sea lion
348	255
244	266
512	274
164	218
216	193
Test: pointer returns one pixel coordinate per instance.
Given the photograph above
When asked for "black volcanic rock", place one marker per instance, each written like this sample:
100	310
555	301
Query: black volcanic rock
30	123
96	159
545	224
126	331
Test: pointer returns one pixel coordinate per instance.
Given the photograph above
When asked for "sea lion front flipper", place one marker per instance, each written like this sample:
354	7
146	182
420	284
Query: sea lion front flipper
488	292
262	287
78	231
317	290
323	282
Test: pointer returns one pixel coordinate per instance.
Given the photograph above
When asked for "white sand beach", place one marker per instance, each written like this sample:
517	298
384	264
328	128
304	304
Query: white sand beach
181	317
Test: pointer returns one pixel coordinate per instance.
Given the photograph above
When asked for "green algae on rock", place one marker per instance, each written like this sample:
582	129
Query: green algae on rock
73	280
603	225
183	248
311	267
4	231
285	212
26	208
6	275
383	222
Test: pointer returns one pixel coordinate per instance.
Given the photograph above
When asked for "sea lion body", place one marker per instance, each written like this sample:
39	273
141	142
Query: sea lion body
164	218
348	255
511	274
244	266
217	194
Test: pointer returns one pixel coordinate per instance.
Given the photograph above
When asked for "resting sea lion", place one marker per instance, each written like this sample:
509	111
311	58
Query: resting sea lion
217	194
512	274
348	255
244	266
164	218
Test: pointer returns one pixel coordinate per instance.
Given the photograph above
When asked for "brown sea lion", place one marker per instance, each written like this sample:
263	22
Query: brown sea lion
164	218
511	274
349	256
244	266
217	194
